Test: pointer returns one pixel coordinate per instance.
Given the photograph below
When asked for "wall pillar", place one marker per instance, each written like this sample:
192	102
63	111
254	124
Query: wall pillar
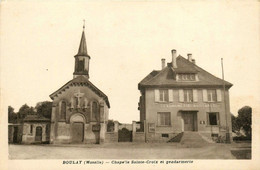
116	126
101	111
134	126
145	131
43	132
102	132
53	121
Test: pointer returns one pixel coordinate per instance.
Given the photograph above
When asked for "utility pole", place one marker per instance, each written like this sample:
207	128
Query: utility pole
224	100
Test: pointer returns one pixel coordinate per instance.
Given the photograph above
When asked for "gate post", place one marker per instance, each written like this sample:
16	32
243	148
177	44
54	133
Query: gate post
116	126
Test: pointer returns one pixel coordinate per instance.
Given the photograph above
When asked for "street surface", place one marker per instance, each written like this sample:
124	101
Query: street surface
131	151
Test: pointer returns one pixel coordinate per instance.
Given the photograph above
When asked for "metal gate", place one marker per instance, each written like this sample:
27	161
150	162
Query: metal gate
124	135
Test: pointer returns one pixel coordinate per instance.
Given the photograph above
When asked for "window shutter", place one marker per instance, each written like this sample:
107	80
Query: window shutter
205	96
170	92
195	95
218	95
181	95
156	93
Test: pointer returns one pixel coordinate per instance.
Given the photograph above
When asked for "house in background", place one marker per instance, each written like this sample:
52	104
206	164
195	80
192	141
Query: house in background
182	97
36	129
80	110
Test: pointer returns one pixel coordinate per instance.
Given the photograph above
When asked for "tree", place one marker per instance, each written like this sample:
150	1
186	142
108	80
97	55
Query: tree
244	119
44	109
24	111
235	124
12	117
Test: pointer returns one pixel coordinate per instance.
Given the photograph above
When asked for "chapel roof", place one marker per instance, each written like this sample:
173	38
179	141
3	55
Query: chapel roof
83	46
81	81
165	77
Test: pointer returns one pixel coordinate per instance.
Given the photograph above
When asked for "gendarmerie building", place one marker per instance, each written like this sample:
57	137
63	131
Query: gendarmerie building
182	97
80	110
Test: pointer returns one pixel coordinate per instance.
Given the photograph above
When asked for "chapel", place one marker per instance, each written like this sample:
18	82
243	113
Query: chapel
80	110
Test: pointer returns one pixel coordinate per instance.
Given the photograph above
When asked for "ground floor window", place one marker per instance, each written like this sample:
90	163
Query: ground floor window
164	119
213	118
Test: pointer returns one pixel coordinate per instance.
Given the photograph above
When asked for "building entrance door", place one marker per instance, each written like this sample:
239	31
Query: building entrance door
38	135
188	118
77	132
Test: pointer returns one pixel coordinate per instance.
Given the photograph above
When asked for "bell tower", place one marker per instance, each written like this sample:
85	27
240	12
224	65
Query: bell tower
82	58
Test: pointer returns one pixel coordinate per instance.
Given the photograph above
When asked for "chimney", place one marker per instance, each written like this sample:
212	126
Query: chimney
193	61
163	63
189	57
174	56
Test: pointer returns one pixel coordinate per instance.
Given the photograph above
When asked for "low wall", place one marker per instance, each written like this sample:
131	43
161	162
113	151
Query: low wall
157	137
111	137
138	137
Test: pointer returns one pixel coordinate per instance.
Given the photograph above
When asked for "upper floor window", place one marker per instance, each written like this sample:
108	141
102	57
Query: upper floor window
186	77
188	95
212	95
163	95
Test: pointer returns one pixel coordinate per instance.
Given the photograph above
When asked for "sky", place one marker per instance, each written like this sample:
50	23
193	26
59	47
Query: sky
126	41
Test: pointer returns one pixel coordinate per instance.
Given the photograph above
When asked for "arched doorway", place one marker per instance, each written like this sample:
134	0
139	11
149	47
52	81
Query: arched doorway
77	128
38	134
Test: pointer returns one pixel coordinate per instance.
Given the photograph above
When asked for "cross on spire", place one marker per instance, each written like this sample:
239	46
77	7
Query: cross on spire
83	24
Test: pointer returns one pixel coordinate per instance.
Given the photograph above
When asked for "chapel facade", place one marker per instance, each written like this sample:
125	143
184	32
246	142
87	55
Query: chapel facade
80	110
182	97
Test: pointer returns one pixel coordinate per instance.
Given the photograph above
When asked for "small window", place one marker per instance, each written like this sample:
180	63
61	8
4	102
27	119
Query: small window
186	77
164	119
81	65
213	118
164	96
165	135
212	95
47	130
214	135
188	95
31	129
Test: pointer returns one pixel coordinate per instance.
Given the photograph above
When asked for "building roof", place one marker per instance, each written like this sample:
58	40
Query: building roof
83	46
35	118
81	81
166	76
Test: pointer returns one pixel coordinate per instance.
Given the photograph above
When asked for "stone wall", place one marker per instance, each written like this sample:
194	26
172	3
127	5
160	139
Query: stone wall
138	137
111	137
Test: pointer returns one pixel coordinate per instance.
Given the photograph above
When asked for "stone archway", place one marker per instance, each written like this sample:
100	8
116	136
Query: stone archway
77	122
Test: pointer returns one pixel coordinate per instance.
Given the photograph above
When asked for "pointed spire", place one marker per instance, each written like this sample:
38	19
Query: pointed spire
83	45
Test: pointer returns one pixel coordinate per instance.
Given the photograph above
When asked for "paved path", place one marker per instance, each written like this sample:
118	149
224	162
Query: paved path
121	151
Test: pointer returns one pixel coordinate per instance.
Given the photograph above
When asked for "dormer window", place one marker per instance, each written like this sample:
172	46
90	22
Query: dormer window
186	77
